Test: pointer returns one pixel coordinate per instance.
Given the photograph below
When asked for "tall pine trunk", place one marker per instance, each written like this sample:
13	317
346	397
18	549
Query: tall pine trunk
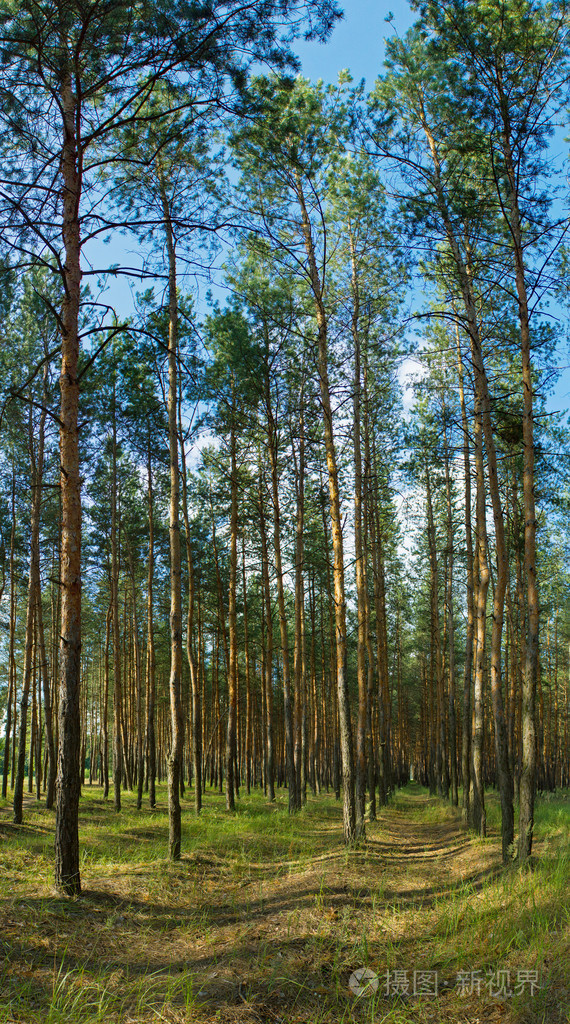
174	759
150	649
67	877
345	725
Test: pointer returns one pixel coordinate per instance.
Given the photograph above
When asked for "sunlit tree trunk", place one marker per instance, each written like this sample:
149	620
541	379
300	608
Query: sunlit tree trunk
478	816
467	674
299	664
67	876
34	594
248	694
105	710
268	680
194	681
346	742
464	274
360	569
117	665
150	649
450	630
283	628
175	686
530	674
11	664
231	781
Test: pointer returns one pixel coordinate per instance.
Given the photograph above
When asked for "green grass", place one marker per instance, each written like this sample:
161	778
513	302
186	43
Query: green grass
267	915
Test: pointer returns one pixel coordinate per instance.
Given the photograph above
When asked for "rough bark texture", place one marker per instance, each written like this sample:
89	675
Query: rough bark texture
67	876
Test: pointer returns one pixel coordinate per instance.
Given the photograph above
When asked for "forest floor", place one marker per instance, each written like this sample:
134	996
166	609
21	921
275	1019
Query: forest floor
266	917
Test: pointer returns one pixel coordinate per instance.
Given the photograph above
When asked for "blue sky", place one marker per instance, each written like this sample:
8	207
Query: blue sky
357	42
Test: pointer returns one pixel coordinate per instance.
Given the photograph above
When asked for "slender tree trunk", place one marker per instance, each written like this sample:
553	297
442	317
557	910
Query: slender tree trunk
67	877
283	629
231	781
437	653
268	681
34	593
105	715
463	267
299	667
11	665
117	667
248	696
175	687
150	649
466	721
44	672
367	530
450	630
138	694
349	803
530	674
478	803
24	700
360	567
194	681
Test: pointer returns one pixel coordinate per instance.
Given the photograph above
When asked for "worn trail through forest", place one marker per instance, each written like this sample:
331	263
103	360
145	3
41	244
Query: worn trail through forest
266	918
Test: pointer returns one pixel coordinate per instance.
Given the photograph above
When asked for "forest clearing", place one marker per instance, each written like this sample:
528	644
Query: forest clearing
265	917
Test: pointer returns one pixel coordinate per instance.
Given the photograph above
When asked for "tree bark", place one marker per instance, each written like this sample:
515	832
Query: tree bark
150	649
478	816
194	682
268	680
450	628
34	595
530	674
232	623
349	803
299	664
360	567
481	385
175	685
67	877
467	673
283	630
11	664
117	666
